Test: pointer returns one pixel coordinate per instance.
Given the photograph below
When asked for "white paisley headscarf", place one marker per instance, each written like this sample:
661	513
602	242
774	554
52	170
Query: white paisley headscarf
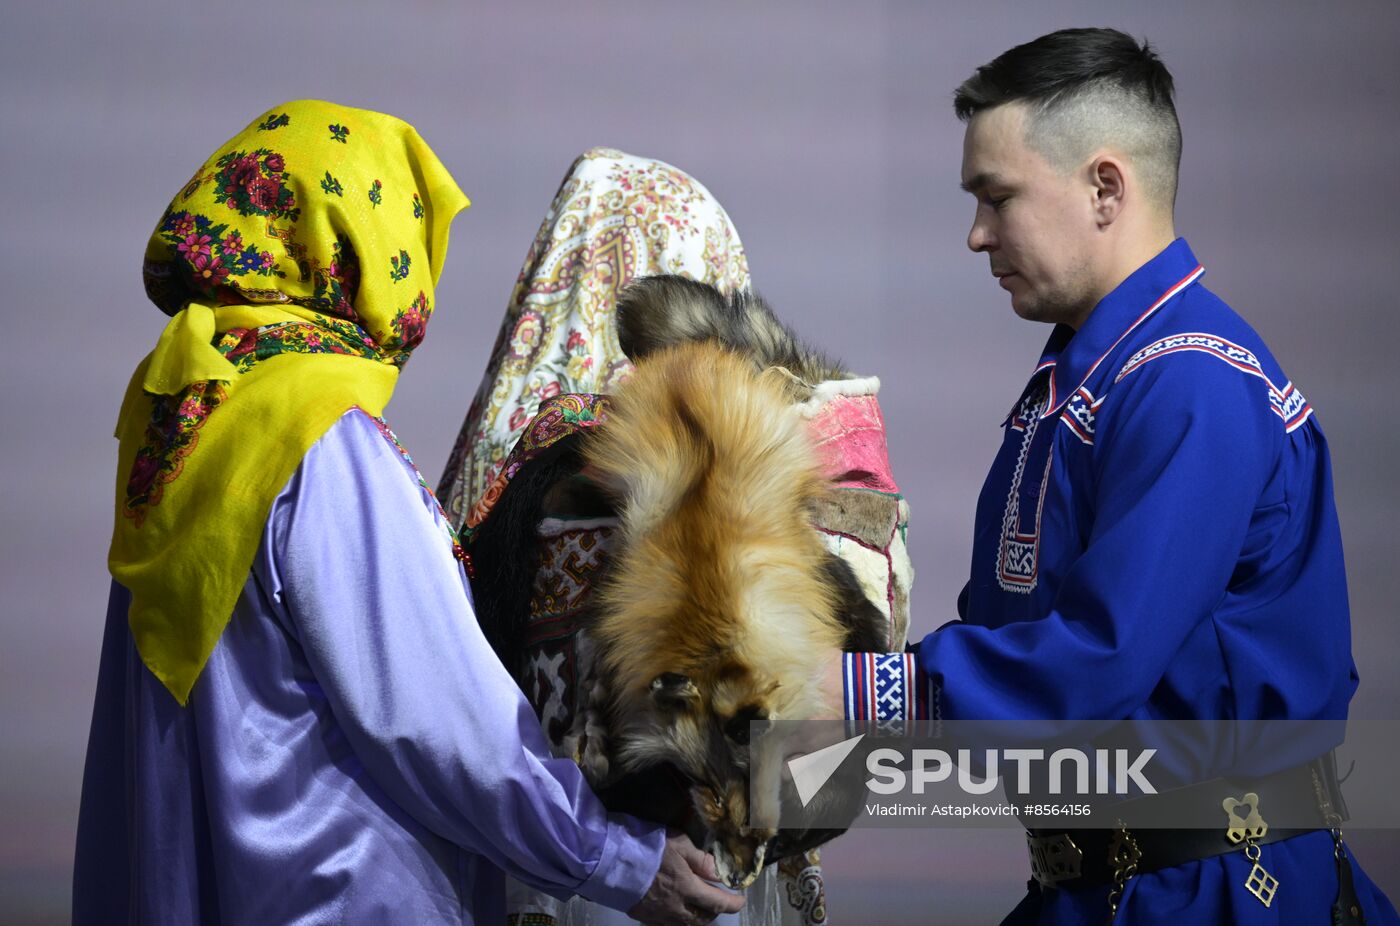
614	218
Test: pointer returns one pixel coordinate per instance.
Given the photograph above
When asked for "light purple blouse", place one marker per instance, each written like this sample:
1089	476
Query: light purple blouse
353	751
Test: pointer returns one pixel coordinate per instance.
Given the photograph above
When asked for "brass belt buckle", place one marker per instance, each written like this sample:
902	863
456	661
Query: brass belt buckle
1054	858
1249	827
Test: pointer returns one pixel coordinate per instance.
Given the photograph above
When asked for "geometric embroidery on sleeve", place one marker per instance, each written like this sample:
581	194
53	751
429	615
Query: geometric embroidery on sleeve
1288	403
1220	348
887	691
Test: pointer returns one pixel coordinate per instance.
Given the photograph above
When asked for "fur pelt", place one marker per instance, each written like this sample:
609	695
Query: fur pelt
716	574
718	606
720	600
662	311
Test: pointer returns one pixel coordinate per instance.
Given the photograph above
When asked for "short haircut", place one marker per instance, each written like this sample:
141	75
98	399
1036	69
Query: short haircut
1083	89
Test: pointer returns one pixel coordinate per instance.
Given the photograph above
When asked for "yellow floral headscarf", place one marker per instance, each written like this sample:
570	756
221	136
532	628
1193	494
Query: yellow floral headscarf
298	265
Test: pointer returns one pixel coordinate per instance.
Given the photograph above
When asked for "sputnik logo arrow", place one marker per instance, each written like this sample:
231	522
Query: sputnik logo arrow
813	770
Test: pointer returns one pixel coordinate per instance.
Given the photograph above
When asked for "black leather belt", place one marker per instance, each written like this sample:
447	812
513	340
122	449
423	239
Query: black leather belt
1090	857
1086	858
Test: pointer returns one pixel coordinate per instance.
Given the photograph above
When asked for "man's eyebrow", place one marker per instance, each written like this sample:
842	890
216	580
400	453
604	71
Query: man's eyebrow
981	181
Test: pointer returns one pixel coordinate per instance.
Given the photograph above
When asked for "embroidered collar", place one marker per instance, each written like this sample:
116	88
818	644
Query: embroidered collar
1071	357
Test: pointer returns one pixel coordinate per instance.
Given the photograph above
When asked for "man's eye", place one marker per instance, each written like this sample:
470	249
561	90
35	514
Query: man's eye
996	202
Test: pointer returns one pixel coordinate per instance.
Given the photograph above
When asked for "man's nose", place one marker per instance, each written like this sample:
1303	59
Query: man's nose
980	238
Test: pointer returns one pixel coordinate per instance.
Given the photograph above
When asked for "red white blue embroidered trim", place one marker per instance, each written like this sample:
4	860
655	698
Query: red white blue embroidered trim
887	691
1079	415
1053	406
1018	554
1288	403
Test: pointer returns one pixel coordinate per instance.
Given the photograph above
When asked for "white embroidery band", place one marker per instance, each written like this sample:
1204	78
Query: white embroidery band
1288	403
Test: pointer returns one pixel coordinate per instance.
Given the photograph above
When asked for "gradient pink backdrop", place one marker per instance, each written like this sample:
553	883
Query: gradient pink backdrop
826	131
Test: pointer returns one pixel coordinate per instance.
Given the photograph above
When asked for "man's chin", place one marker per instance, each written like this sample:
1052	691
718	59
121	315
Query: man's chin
1026	308
1035	310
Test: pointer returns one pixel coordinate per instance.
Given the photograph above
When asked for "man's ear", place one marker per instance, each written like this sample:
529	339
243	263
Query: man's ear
1109	178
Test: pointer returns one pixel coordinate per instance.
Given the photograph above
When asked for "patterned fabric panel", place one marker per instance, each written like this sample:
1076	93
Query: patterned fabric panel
568	563
806	889
888	691
558	417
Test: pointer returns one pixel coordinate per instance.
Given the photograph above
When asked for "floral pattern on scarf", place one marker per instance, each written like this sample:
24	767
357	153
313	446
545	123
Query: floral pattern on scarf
235	234
558	417
614	218
261	271
171	436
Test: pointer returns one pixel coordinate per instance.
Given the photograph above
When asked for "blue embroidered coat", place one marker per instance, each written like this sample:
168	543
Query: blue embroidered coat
1156	538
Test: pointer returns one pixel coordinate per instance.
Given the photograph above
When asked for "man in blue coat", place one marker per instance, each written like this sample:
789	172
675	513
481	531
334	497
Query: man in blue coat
1157	536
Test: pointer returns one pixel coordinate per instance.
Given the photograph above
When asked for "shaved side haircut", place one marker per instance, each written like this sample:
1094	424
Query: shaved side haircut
1086	89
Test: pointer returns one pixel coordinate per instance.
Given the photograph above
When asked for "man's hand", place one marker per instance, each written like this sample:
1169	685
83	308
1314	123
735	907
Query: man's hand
680	895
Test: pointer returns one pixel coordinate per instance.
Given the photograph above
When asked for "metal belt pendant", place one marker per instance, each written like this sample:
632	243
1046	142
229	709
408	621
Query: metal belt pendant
1249	829
1123	857
1259	883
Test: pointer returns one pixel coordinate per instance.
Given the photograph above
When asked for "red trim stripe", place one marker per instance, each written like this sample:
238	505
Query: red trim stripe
1052	406
1074	427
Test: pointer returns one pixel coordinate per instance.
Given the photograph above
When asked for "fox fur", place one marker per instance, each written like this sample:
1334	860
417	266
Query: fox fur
662	311
717	607
720	599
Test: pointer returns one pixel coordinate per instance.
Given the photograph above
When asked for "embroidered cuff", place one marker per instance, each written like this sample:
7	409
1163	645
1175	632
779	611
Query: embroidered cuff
887	692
